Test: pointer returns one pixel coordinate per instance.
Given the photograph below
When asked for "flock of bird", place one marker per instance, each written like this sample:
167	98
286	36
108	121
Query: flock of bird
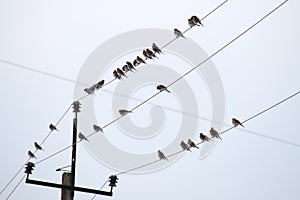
119	73
204	138
185	146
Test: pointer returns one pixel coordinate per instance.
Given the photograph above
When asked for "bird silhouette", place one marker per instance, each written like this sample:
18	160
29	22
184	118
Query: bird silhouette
156	49
129	64
192	144
121	73
37	146
162	88
178	33
184	146
236	122
124	112
116	75
161	155
52	127
214	133
140	60
82	137
30	154
97	128
204	138
196	20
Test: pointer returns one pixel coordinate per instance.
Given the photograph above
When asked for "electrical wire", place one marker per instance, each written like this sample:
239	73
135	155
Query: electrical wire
100	189
226	130
14	189
43	141
171	41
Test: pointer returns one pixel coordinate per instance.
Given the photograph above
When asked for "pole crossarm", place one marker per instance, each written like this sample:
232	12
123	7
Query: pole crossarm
68	187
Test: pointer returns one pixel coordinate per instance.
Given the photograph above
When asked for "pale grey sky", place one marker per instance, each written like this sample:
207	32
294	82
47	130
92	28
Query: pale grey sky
258	70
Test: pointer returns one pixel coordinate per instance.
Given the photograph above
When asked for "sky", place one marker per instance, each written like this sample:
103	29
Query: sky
63	37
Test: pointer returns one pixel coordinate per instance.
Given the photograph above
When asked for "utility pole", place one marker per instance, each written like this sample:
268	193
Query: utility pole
76	107
68	187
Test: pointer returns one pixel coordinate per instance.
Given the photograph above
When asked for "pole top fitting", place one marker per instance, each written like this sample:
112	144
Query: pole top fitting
76	106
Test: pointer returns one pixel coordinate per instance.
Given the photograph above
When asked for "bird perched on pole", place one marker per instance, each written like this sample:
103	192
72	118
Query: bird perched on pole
214	133
192	144
82	137
52	127
37	146
204	138
162	88
236	122
178	33
156	49
30	154
184	146
161	155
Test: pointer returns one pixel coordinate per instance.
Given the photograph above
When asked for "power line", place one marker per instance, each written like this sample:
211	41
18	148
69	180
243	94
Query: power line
14	189
227	130
83	84
43	141
100	189
229	43
41	72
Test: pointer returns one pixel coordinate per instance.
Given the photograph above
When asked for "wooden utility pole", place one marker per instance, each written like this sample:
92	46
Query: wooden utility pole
68	187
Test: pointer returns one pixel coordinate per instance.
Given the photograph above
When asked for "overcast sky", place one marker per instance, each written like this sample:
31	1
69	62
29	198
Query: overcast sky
256	71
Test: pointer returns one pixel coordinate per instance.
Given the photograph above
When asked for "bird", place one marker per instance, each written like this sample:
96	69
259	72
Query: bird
184	146
236	122
52	127
204	137
116	75
151	53
125	68
192	144
97	128
196	20
121	73
99	84
140	60
178	33
162	88
191	23
136	62
89	90
37	146
161	155
30	154
129	64
82	137
214	133
124	112
156	49
147	55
